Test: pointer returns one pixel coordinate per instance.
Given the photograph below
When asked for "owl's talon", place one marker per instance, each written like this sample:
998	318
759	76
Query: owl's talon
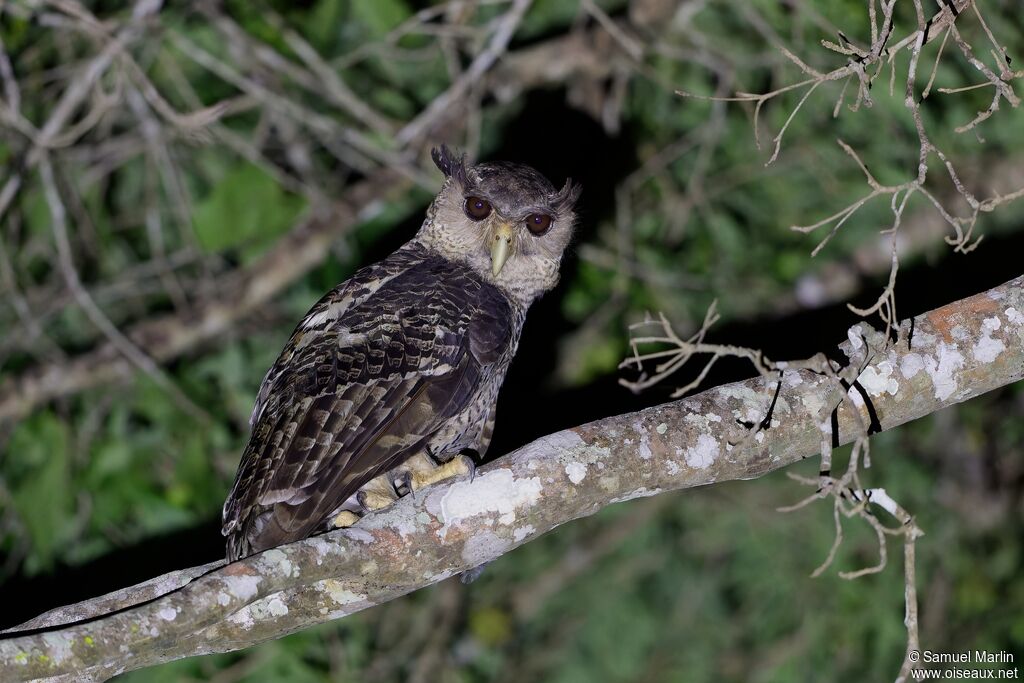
459	466
345	518
373	500
403	483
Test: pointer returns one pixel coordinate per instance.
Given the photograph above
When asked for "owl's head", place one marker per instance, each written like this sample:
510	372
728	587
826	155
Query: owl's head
504	220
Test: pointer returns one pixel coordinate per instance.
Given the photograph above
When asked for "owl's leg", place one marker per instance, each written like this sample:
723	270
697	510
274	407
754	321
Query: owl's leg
422	470
345	518
417	472
376	494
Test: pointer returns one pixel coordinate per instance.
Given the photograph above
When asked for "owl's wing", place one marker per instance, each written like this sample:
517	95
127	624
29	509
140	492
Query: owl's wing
357	396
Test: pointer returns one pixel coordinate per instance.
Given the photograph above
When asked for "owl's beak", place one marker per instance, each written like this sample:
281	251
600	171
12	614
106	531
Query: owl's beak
501	244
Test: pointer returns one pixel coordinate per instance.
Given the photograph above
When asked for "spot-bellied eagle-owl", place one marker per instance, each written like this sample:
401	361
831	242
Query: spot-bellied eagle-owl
394	374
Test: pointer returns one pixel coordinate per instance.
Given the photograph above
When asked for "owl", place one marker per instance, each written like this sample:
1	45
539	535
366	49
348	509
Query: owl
390	382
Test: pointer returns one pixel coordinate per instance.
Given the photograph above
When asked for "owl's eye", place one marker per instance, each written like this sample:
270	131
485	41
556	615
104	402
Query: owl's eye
538	223
477	209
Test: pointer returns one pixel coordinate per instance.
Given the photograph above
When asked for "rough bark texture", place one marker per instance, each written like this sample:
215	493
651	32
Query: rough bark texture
954	353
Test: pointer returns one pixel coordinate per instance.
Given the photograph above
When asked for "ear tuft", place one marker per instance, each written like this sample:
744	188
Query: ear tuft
449	164
566	198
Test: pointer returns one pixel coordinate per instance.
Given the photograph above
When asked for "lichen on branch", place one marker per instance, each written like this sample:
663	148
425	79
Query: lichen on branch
946	356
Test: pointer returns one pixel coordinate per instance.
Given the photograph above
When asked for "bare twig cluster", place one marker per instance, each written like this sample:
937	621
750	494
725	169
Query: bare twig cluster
851	499
668	352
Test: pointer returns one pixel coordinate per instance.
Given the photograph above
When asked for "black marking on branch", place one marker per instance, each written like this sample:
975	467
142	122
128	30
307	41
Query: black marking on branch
927	28
766	423
874	426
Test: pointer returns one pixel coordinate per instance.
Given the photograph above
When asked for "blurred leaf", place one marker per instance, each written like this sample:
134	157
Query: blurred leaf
245	209
490	625
380	16
42	492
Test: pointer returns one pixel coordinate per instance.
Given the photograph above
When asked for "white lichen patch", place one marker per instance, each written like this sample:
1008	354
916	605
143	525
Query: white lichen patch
739	392
223	599
960	333
791	379
396	518
339	594
644	447
576	471
243	618
565	440
642	492
697	420
242	586
436	577
276	607
988	347
325	548
278	560
661	428
482	547
1014	316
519	533
942	369
812	401
853	334
58	647
360	535
267	608
498	491
165	584
751	413
168	614
911	364
702	454
672	467
855	397
879	379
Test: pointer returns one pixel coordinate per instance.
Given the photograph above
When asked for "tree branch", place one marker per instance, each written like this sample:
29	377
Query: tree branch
946	356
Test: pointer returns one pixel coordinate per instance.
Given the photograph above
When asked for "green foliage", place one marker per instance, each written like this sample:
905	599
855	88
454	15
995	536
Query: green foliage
38	469
380	16
709	585
245	208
